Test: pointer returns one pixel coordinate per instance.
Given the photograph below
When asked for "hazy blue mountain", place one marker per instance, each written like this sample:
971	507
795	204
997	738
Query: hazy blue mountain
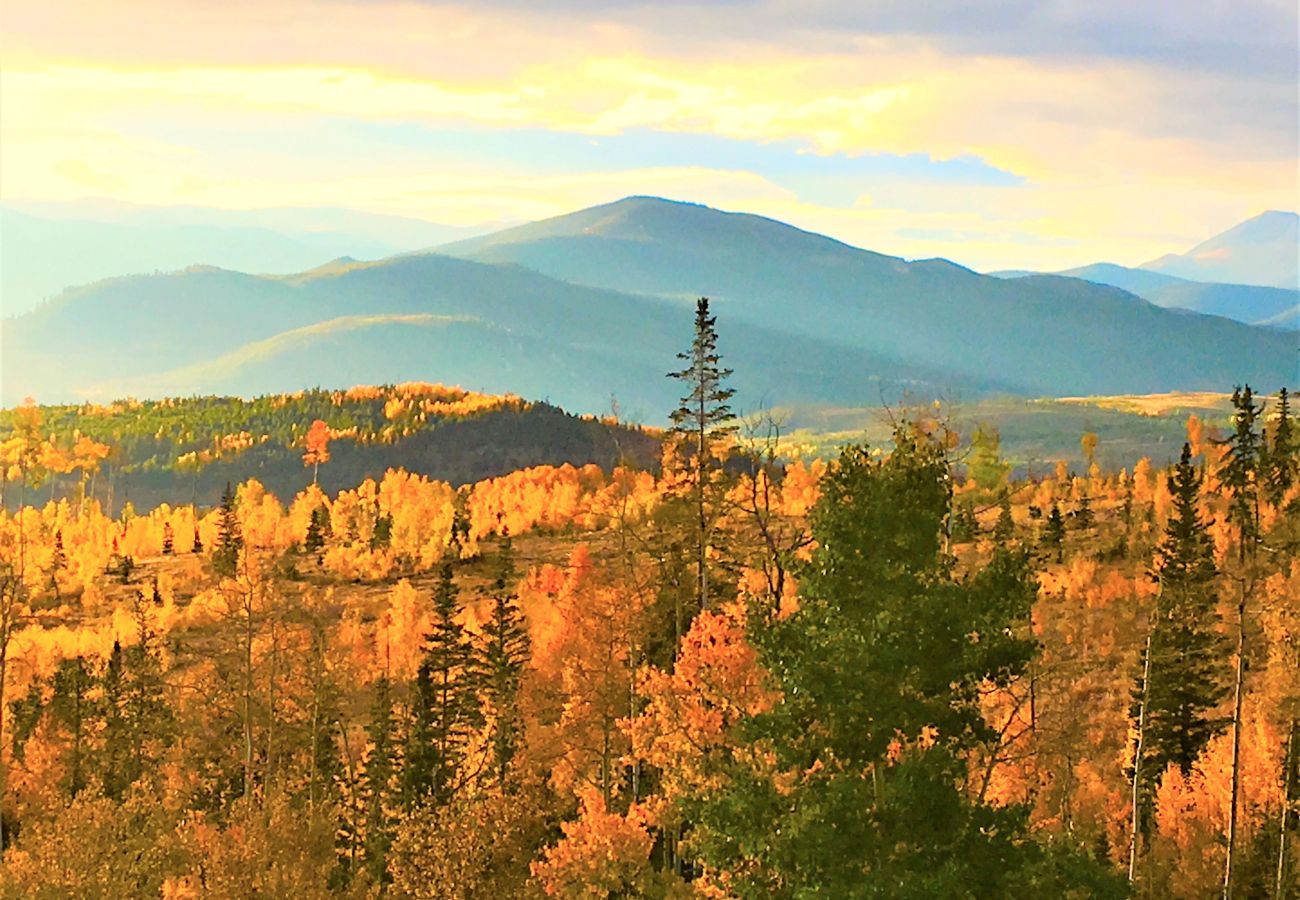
47	248
1261	251
930	311
1275	307
803	318
430	317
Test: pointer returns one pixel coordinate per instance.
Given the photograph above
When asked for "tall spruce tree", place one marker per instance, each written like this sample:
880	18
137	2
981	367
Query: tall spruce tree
503	653
701	419
446	707
1239	473
1281	463
1054	532
225	556
378	779
1185	680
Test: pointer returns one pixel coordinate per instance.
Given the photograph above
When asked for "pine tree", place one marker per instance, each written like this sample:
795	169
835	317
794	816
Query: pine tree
317	529
225	558
879	652
198	541
59	561
377	783
446	703
503	653
1005	529
702	418
1083	518
1054	531
72	706
1240	471
1281	464
1185	682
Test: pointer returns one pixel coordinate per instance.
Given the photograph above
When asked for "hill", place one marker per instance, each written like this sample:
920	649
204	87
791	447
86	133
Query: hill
598	303
186	450
1262	251
1254	305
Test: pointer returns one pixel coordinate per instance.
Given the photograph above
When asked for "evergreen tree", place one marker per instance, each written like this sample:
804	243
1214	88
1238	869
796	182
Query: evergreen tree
1240	471
378	778
1281	463
1083	518
880	682
198	541
1054	531
1186	681
59	560
225	557
446	702
700	420
503	653
317	529
72	706
1005	529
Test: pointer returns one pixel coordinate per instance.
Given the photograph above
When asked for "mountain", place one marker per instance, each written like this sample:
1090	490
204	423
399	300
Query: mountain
595	305
427	317
1276	307
1263	251
47	248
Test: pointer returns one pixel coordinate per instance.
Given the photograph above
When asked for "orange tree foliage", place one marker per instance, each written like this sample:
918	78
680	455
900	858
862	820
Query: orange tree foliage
608	740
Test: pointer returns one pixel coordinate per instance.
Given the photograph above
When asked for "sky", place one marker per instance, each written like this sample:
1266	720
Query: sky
1035	134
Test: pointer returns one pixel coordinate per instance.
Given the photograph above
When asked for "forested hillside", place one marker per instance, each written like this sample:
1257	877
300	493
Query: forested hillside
150	452
904	672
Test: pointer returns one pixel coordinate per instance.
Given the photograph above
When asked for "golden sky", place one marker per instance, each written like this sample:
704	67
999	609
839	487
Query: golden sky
1011	133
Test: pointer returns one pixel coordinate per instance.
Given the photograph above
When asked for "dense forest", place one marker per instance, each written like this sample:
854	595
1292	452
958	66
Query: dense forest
722	672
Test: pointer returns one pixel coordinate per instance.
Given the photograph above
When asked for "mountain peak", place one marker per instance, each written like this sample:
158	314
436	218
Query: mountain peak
1263	250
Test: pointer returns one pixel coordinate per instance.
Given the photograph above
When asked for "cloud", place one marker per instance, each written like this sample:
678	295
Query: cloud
1045	133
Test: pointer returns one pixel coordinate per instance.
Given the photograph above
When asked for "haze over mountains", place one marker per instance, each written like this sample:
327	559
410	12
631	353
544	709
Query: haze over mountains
1247	273
46	248
595	304
1262	251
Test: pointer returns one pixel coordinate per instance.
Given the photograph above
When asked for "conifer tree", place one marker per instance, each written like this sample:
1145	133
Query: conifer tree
702	417
1281	463
503	653
1005	529
1184	681
72	706
1239	474
198	541
59	560
1054	531
317	529
1083	518
225	557
377	783
446	702
879	683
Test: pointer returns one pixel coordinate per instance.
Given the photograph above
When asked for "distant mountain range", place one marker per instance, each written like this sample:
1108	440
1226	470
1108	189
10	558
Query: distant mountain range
46	248
1270	306
1263	251
591	307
